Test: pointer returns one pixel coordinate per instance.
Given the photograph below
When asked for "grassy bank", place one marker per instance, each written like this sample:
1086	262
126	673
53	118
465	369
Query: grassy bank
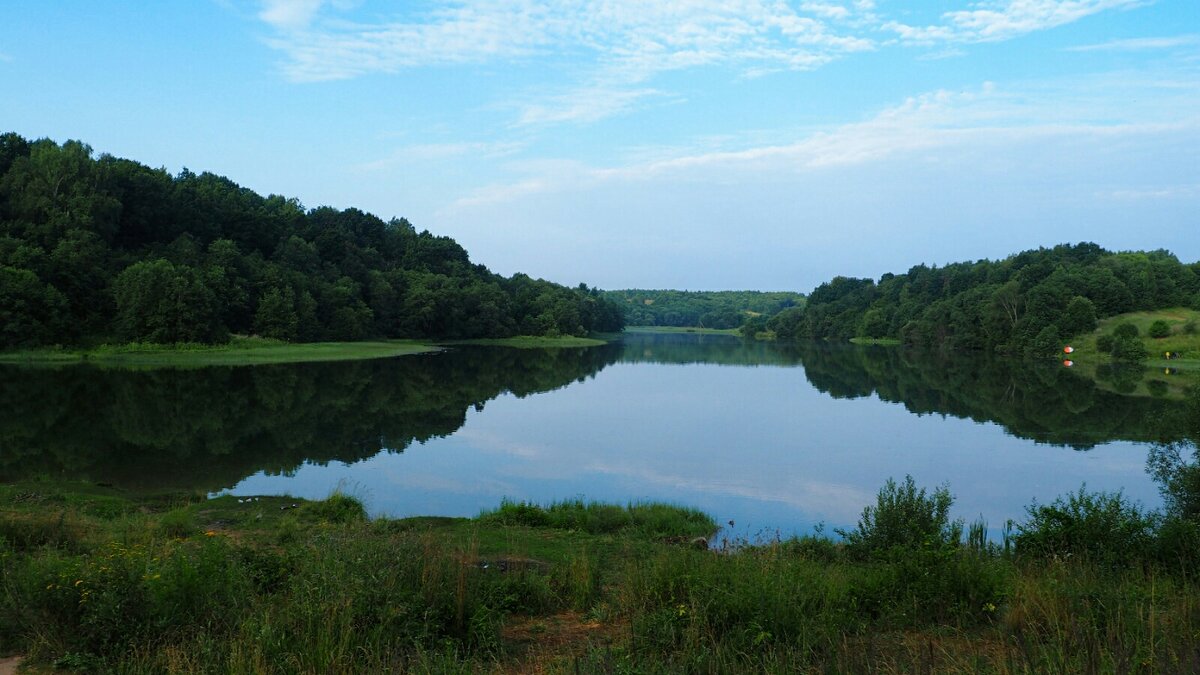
876	341
240	351
533	342
681	329
92	580
1156	375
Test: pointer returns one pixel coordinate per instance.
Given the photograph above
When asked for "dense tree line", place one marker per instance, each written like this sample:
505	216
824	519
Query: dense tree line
1027	303
103	248
700	309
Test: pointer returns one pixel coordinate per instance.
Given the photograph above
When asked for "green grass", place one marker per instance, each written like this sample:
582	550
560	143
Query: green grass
681	329
875	341
533	342
1157	376
95	580
240	351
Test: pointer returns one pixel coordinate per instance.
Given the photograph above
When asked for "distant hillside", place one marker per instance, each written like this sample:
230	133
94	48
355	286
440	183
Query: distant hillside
707	309
106	249
1027	303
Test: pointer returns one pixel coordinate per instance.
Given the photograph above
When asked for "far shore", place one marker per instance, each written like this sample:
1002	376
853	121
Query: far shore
248	351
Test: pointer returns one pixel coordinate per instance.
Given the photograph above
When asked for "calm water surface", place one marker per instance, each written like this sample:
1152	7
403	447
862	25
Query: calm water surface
771	437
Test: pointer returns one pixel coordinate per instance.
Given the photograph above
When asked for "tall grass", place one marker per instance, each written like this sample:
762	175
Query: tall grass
646	519
1086	588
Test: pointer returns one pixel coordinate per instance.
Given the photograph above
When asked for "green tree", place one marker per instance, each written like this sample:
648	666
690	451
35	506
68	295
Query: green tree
276	316
1129	349
161	302
31	312
1160	329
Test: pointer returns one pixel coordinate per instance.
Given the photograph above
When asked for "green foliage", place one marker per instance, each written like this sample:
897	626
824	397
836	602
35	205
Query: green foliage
164	303
906	518
646	519
1105	344
1129	349
1125	330
1160	329
1189	328
92	248
1047	343
339	507
1003	305
1101	527
706	309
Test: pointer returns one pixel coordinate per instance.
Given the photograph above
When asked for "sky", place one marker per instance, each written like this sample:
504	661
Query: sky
746	144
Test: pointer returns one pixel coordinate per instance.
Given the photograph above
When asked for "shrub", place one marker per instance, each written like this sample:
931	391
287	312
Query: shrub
1129	349
1160	329
1104	344
1189	328
1125	330
905	517
1101	527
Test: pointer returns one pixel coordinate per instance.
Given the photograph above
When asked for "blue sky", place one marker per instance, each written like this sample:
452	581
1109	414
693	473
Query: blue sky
683	144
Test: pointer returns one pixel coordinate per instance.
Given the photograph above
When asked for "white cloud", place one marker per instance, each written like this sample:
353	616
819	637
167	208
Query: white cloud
289	14
1002	20
1163	192
1138	44
611	51
428	152
920	126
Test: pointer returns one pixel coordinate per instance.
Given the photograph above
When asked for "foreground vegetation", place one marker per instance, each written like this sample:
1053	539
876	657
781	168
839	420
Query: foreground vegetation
95	581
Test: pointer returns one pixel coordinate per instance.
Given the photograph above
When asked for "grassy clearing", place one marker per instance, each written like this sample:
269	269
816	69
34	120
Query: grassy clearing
92	580
681	329
534	342
241	351
1157	375
875	341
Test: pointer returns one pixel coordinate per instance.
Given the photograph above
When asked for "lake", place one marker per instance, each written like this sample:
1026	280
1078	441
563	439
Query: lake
776	438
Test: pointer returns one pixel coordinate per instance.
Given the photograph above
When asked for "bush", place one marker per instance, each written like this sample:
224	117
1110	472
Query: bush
1189	328
1129	349
1160	329
1100	527
1125	330
905	517
1104	344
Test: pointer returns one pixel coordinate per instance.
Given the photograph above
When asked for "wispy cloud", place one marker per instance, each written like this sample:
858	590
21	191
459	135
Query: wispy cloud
1139	44
1003	20
613	51
988	116
1162	192
289	14
427	152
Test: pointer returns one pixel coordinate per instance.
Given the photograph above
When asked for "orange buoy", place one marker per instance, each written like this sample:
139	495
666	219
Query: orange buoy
1068	349
1068	363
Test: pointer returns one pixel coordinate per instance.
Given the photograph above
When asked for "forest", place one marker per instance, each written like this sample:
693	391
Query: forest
103	249
700	309
1025	304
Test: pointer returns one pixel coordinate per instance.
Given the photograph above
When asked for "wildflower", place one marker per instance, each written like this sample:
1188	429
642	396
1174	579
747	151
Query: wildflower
989	607
210	533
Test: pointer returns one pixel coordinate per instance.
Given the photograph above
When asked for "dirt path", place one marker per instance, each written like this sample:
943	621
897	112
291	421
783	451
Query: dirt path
9	666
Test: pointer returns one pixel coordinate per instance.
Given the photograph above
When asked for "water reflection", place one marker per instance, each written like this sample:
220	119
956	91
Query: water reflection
786	435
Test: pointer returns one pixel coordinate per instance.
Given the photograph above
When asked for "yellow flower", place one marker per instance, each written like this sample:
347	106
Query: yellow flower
210	533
